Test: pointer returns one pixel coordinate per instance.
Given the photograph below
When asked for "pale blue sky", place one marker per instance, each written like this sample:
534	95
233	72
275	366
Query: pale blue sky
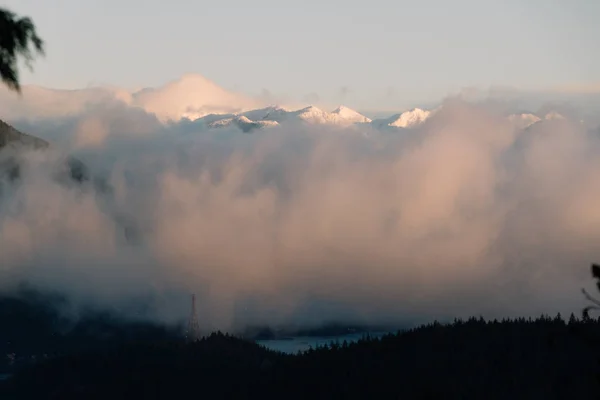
376	54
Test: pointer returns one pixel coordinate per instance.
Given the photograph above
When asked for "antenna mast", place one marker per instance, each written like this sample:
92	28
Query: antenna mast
193	332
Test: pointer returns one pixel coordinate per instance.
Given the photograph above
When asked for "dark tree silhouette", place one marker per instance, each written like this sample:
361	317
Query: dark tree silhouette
595	303
543	358
18	38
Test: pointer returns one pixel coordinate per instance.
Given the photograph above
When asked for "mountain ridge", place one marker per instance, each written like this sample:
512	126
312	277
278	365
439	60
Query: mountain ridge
12	138
344	116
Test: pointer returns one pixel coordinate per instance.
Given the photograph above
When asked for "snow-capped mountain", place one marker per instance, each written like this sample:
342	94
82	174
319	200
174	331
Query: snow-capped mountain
344	115
407	119
341	116
210	119
553	115
410	118
522	121
274	115
314	115
525	120
309	114
263	113
241	121
192	96
197	98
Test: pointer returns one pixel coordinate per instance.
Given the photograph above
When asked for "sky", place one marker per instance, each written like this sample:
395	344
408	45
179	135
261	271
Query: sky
375	55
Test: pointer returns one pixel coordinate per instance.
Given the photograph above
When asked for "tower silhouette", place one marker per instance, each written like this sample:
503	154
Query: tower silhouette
193	331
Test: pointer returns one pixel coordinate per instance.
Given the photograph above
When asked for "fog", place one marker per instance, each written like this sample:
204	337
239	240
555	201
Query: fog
462	215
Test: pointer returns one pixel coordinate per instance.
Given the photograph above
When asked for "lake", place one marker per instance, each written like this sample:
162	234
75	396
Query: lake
302	343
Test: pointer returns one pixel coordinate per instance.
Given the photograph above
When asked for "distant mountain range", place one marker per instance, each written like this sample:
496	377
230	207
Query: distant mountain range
196	98
341	117
277	115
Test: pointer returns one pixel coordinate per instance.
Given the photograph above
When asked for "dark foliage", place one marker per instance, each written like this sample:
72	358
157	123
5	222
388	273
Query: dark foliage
595	303
18	38
33	329
545	358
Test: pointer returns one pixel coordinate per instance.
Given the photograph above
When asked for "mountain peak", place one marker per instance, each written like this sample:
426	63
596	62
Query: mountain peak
410	118
310	108
523	120
192	96
342	108
351	116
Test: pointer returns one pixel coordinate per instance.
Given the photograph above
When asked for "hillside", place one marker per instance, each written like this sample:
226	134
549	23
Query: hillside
11	137
546	358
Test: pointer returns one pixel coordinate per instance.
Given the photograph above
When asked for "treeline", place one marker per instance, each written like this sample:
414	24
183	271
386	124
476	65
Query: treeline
33	327
543	358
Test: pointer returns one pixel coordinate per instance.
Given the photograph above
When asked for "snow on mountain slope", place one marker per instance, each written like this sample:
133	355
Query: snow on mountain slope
342	116
554	115
262	113
242	122
407	119
411	118
275	115
312	114
345	115
525	120
246	120
221	123
212	118
522	121
192	96
280	114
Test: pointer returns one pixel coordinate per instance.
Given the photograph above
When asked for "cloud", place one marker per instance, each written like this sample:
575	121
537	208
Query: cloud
459	216
39	103
578	88
190	96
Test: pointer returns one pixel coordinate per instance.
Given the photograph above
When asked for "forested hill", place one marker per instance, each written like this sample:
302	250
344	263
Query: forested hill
546	358
35	325
11	137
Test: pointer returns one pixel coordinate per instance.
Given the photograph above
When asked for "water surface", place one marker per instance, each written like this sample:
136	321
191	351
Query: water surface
302	343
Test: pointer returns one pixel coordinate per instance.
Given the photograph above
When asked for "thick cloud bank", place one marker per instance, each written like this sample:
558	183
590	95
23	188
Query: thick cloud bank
190	96
462	215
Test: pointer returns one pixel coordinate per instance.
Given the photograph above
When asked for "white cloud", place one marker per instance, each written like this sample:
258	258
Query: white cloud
191	95
462	215
38	102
